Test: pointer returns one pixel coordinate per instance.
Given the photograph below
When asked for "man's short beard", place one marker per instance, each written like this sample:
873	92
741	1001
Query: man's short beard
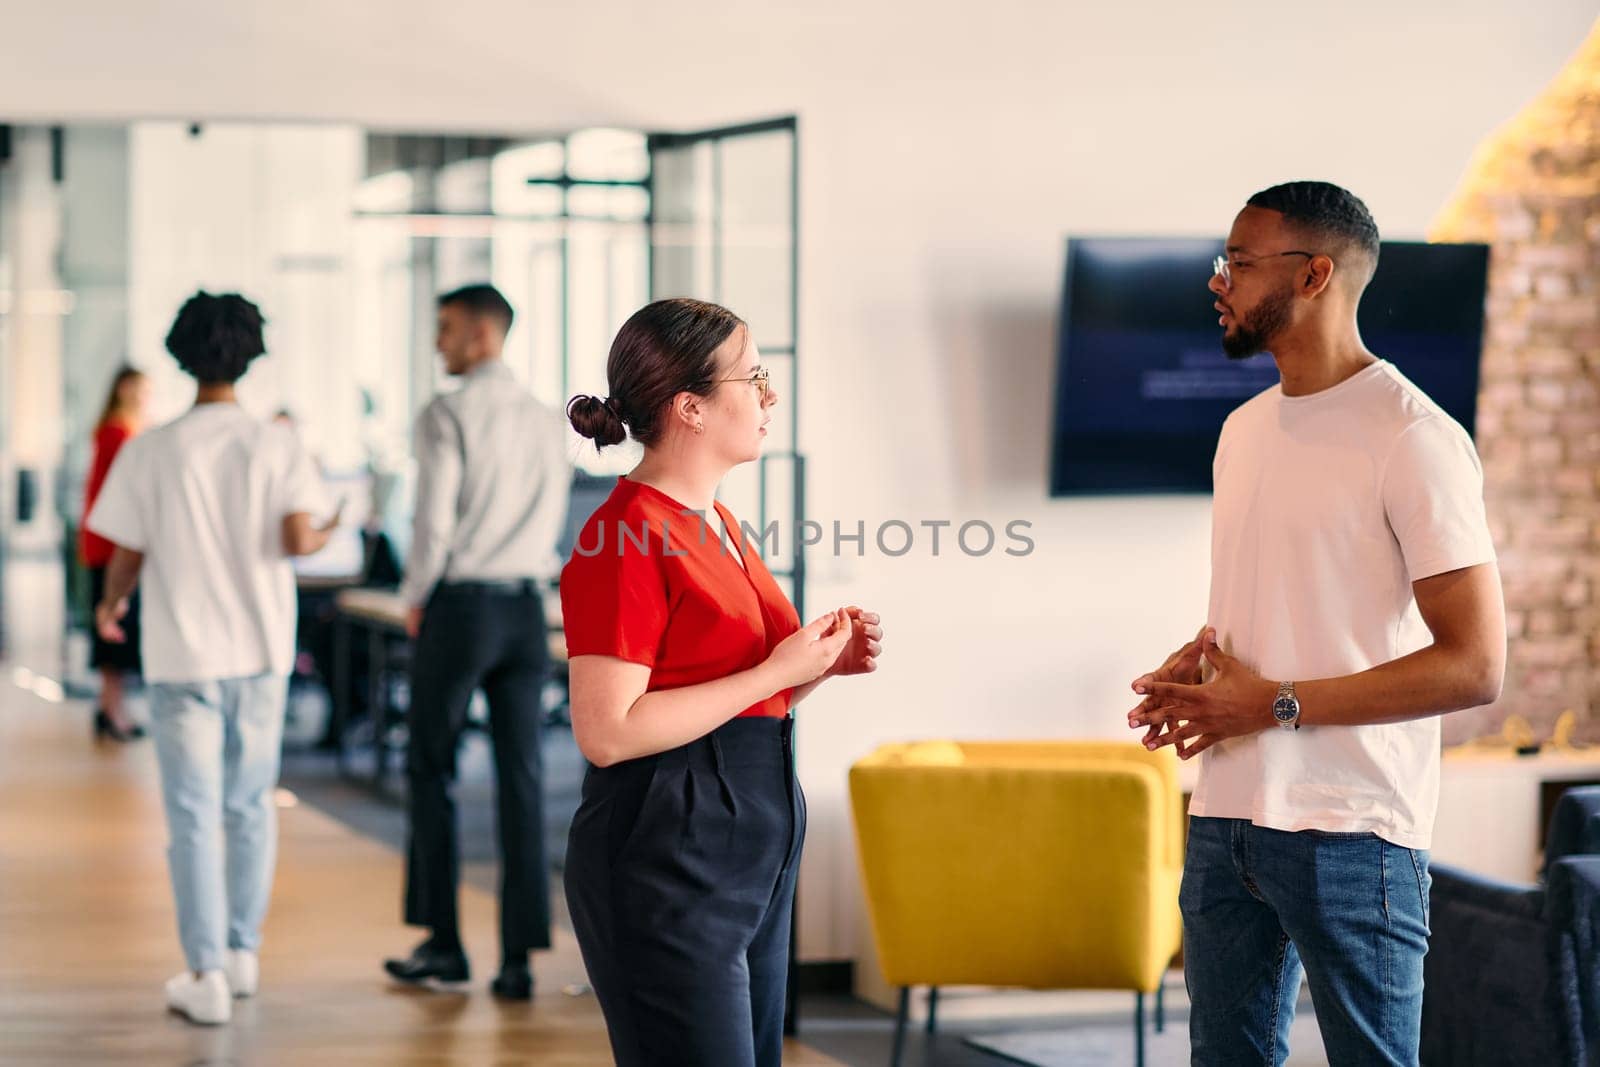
1254	335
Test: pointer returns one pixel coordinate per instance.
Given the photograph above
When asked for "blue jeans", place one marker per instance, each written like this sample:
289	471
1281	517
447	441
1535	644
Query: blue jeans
218	744
1258	904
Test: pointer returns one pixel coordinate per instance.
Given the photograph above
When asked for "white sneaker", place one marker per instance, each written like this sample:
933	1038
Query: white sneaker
243	969
203	1000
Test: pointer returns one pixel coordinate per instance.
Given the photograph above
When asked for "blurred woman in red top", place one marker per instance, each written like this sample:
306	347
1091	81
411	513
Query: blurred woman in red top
122	417
685	660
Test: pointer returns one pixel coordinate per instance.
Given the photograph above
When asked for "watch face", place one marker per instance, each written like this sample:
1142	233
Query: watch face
1285	709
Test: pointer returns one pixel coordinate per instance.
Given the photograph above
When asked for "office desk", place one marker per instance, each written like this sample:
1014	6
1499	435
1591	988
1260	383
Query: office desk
1495	806
381	613
323	583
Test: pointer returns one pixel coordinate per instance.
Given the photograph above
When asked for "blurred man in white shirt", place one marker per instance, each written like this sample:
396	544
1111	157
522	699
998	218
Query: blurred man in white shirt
205	513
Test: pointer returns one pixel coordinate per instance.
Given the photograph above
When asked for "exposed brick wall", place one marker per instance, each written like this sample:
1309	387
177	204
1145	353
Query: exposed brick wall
1533	193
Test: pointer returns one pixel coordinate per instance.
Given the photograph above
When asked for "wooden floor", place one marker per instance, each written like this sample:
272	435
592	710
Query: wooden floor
87	934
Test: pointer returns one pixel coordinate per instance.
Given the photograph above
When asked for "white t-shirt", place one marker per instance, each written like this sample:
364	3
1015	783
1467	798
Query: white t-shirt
204	498
1327	508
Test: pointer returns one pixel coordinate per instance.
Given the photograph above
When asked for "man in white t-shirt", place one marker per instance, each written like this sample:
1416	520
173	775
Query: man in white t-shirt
1354	599
205	513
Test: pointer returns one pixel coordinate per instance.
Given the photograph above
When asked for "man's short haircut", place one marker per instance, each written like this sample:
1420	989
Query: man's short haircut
1332	216
483	301
215	337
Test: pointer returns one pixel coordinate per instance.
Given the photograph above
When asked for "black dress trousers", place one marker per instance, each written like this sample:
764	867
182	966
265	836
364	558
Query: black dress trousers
490	636
680	878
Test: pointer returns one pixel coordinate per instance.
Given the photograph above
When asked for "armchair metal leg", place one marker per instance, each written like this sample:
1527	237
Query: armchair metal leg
1138	1029
933	1007
900	1026
1161	1007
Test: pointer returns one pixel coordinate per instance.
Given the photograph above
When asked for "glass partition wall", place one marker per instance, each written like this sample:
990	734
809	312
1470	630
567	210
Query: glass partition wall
723	226
559	225
345	238
579	231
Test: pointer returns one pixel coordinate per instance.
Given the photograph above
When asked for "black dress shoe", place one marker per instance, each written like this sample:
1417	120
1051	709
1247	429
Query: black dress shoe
514	982
104	727
429	961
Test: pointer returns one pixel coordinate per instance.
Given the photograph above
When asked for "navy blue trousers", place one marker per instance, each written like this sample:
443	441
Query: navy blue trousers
680	879
473	637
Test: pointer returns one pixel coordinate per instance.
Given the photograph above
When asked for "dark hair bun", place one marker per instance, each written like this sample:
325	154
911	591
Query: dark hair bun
598	420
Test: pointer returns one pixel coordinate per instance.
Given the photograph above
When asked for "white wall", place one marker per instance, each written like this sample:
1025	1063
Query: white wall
262	210
946	149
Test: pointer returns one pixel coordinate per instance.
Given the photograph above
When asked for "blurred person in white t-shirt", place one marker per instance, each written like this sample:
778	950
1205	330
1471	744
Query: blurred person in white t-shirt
1354	600
205	513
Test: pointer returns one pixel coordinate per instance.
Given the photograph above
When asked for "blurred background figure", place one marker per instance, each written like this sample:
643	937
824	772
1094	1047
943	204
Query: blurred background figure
205	513
491	498
124	415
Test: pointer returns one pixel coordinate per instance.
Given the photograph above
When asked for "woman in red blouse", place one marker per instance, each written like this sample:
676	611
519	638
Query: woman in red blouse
685	660
122	417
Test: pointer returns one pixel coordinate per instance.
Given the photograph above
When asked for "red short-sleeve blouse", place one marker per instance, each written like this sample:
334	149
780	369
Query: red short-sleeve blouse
109	437
651	582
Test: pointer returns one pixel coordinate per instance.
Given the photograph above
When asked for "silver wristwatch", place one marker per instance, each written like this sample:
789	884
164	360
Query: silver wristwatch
1286	709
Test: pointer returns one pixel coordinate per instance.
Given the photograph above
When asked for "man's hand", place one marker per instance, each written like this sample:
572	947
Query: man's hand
1234	703
302	537
413	622
108	616
1182	666
333	521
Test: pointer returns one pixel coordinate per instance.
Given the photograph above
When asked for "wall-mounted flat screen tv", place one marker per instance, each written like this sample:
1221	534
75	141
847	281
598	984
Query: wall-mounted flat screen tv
1143	385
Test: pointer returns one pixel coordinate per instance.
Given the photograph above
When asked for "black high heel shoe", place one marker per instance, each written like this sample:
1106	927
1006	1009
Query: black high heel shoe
104	727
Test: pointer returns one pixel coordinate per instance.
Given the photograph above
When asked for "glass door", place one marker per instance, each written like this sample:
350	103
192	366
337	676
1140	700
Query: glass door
724	212
723	227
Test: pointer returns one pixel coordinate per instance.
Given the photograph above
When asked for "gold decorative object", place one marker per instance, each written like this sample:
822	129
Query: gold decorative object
1517	731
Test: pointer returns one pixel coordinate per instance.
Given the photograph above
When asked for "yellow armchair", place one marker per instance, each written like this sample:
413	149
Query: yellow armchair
1044	865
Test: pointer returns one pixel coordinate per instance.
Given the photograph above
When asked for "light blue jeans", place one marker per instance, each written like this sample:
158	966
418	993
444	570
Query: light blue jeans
1260	904
218	744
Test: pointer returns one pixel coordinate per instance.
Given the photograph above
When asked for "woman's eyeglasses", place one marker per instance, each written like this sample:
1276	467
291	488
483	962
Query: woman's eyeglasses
761	379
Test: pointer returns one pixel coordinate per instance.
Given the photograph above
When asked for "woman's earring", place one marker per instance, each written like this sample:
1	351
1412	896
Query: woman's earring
699	427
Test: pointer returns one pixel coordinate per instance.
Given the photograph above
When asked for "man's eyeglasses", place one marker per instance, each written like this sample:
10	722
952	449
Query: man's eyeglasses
761	379
1223	267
